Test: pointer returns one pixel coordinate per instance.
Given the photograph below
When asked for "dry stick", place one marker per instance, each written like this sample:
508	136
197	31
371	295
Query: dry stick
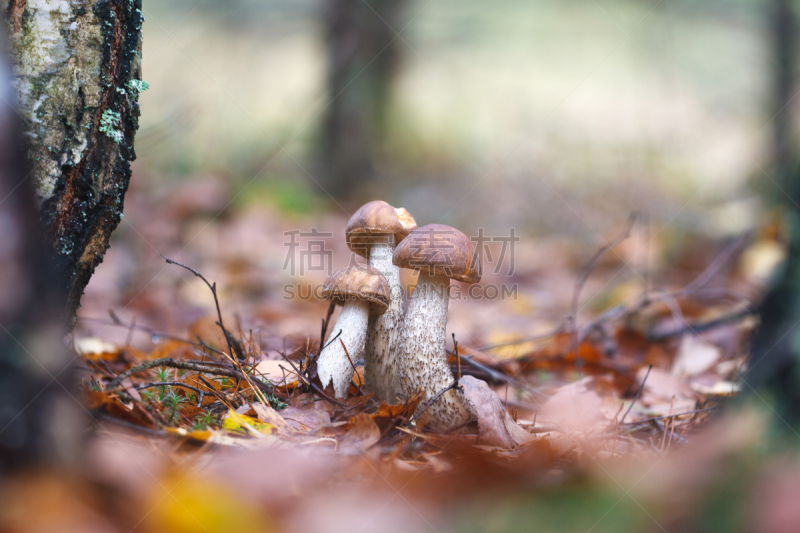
638	393
234	349
451	386
185	365
311	383
699	327
520	340
346	353
325	323
685	413
330	341
458	359
213	287
716	264
587	270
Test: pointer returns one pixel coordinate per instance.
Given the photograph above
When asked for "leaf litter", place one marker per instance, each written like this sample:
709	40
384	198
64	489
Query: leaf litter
227	407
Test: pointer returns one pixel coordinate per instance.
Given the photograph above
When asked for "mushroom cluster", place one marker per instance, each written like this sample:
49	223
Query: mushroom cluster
404	354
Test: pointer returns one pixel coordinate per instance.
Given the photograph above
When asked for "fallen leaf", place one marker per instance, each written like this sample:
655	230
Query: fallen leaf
573	406
269	415
495	425
280	373
362	435
718	388
206	385
305	420
246	425
694	357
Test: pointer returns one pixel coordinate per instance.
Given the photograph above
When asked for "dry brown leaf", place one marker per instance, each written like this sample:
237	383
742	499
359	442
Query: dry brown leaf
269	415
694	357
207	331
495	425
362	435
305	420
662	384
573	407
280	373
205	385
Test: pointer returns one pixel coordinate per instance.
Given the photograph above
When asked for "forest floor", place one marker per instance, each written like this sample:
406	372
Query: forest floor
615	367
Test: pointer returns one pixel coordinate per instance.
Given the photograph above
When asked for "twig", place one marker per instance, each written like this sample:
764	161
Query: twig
213	286
521	340
330	341
416	415
346	353
587	270
185	365
638	393
458	359
706	325
325	322
311	383
685	413
716	264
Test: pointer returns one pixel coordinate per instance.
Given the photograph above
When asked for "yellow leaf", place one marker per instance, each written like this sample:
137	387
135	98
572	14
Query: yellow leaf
247	425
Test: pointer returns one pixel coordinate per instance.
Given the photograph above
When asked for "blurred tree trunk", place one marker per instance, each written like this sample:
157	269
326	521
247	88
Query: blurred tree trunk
775	359
77	70
363	53
39	423
783	29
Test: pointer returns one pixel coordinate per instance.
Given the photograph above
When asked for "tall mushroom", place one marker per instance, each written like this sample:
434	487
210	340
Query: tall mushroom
373	232
440	253
362	291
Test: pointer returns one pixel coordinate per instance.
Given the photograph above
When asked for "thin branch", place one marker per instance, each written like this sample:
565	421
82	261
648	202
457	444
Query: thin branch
665	417
325	323
213	288
185	365
699	327
638	393
587	270
311	383
418	413
716	264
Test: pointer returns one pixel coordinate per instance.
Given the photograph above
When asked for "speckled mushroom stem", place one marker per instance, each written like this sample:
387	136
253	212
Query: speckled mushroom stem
333	365
383	332
423	365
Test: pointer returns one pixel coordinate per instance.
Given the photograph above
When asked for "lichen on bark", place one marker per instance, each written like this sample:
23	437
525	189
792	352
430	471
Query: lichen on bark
73	63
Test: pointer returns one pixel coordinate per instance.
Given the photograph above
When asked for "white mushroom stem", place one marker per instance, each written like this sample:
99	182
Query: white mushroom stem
383	333
424	359
333	365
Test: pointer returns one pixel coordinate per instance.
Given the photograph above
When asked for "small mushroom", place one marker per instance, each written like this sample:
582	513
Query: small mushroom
373	232
440	253
362	291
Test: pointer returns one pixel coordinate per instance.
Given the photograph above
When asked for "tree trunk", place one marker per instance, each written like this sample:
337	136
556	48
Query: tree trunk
774	364
783	29
77	70
39	423
363	52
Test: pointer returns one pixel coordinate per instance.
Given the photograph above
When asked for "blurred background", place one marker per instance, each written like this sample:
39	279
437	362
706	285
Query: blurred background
553	118
451	107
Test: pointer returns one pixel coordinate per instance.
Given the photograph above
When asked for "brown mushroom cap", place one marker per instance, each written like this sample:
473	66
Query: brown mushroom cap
358	282
439	249
374	222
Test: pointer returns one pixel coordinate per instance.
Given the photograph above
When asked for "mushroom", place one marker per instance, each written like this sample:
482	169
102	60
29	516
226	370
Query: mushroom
440	253
362	291
373	232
